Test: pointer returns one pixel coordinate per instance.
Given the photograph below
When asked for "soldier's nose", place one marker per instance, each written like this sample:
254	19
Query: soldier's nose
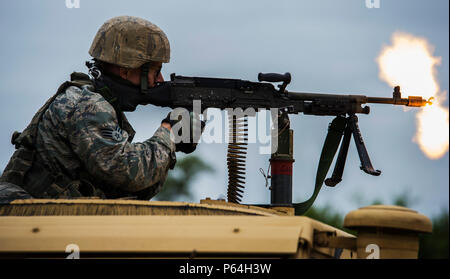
160	78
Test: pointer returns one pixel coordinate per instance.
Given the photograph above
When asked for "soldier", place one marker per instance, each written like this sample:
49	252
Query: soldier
79	144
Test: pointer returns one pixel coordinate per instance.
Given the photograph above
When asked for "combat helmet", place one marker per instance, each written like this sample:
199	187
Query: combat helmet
131	42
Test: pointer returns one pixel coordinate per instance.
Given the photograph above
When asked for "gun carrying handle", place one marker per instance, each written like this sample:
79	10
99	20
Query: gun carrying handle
273	77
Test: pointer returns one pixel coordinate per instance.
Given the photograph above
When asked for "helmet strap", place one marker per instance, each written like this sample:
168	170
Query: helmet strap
144	78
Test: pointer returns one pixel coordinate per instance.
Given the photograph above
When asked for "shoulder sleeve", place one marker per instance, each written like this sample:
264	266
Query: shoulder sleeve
102	147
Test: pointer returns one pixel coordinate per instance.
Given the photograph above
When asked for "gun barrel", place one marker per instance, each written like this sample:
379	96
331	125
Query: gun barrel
411	101
317	96
392	101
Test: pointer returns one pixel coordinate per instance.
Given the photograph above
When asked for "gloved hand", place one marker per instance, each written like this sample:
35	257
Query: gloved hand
186	147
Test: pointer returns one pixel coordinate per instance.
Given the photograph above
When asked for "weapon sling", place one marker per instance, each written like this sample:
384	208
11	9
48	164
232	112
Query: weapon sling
335	131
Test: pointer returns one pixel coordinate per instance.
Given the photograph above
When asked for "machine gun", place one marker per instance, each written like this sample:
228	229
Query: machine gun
222	93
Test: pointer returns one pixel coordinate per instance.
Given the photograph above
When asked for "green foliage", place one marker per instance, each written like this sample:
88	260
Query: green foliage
377	202
405	199
431	246
328	216
177	185
435	245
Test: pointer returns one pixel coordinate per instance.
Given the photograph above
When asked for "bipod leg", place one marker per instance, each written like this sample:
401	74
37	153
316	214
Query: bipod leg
340	161
366	165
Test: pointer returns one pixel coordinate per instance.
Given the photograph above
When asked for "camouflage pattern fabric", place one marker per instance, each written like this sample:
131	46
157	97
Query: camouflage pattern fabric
10	192
79	133
130	42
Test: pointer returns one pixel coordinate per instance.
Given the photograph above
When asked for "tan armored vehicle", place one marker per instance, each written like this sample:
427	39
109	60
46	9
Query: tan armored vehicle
209	229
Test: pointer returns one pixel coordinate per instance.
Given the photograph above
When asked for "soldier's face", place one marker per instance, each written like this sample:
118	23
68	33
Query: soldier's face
134	75
154	75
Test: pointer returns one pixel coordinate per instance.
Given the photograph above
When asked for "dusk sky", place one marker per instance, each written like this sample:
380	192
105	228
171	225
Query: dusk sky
328	46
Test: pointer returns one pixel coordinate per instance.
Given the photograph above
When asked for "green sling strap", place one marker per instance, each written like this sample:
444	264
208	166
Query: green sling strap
334	136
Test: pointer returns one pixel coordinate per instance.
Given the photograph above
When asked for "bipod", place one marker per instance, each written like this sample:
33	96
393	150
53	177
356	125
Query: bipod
351	128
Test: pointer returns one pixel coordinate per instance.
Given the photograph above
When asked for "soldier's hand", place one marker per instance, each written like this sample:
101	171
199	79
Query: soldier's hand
191	145
185	147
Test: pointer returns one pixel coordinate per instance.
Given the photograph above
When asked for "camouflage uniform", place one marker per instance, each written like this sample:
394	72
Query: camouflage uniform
79	136
79	142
